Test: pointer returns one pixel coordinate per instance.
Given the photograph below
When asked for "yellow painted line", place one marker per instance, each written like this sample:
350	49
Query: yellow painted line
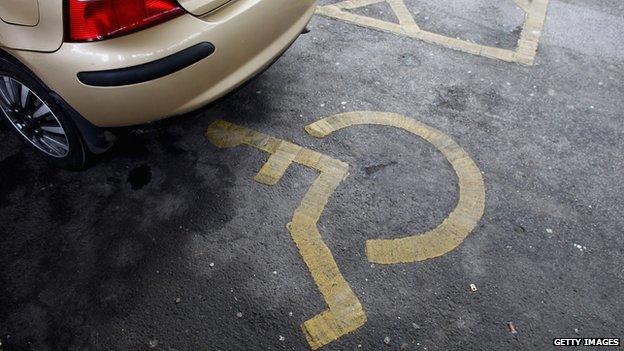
278	163
345	313
525	52
353	4
403	13
462	220
531	32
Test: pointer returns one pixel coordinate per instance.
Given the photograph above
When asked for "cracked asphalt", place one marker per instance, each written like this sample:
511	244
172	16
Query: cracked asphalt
167	243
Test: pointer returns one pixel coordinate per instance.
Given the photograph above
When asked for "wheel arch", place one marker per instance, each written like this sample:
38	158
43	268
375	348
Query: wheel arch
5	55
97	139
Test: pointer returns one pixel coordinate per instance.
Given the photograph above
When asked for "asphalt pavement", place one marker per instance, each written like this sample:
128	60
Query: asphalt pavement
168	243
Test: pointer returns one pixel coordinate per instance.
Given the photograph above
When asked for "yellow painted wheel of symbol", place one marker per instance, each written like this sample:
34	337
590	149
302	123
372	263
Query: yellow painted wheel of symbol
462	220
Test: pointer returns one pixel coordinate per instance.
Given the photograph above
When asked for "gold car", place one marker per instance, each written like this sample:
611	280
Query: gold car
71	68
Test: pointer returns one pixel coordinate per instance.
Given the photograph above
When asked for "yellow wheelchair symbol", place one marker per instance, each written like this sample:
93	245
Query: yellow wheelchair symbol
345	313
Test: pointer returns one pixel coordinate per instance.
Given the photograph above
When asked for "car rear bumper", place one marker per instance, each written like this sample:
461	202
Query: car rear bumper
143	77
148	71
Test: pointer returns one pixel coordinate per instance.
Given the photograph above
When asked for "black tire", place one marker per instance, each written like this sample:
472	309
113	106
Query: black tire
77	154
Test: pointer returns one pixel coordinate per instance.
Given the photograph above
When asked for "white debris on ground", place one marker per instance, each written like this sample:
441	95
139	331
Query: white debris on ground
239	314
387	340
549	231
512	328
281	338
473	287
580	247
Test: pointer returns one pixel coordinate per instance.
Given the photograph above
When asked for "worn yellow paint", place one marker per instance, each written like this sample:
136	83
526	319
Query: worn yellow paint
462	220
525	52
345	313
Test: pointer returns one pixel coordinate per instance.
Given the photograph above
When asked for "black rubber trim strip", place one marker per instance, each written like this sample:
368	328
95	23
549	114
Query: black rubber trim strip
148	71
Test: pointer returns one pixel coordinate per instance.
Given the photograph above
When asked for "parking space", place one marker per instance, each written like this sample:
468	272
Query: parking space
409	176
455	32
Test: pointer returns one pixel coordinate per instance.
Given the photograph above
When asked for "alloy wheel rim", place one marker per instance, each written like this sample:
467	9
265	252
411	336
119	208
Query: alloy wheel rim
32	118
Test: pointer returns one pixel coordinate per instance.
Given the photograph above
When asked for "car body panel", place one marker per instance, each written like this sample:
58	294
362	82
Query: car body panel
20	12
41	27
201	7
247	36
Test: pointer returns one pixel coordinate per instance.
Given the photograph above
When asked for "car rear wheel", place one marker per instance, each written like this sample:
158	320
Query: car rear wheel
42	123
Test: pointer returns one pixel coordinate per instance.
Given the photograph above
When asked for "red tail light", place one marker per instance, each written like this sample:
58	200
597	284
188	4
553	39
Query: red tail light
91	20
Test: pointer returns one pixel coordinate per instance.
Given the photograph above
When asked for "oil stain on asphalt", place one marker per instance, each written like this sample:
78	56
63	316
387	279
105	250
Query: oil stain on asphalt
139	177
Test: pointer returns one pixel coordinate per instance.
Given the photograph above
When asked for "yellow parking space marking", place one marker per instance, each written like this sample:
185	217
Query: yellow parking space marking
525	52
345	313
403	14
273	170
462	220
